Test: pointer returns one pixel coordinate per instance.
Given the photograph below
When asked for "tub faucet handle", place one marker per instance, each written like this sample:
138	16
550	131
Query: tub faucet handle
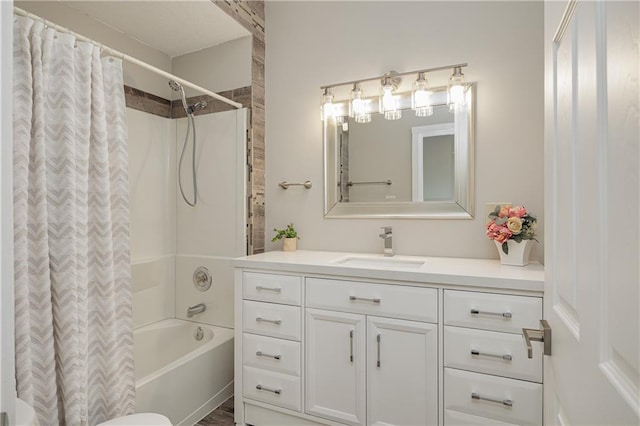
195	309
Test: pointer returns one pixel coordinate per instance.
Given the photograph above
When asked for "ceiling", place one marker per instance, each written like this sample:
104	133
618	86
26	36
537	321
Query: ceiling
173	27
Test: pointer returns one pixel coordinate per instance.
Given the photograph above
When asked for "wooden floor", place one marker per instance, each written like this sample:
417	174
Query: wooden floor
221	416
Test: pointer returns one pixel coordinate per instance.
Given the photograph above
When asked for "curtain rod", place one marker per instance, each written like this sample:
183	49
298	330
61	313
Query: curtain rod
127	58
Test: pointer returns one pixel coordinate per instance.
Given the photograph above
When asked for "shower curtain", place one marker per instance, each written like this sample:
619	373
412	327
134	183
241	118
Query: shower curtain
73	300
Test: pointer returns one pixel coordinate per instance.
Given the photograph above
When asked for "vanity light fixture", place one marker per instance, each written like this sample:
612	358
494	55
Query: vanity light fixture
327	107
421	97
388	101
358	106
455	90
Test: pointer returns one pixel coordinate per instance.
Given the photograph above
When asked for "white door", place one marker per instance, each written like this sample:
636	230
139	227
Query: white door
335	366
402	372
7	382
592	212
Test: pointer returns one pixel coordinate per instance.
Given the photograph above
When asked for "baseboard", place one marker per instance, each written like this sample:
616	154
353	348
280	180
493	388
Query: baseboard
213	403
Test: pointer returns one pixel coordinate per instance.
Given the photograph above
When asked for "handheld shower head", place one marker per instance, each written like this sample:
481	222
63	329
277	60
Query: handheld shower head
178	88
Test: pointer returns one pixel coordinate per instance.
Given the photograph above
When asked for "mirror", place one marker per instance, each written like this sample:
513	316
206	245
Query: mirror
414	167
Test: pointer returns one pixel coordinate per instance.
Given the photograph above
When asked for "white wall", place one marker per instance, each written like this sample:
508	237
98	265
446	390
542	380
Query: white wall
210	234
80	23
152	177
310	44
223	67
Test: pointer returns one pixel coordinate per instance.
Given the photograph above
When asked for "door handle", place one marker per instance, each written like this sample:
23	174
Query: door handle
543	335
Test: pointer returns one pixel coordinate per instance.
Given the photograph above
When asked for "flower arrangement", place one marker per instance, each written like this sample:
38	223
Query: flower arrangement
511	223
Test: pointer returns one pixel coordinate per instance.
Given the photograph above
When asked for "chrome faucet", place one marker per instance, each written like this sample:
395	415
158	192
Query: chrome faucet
387	236
195	309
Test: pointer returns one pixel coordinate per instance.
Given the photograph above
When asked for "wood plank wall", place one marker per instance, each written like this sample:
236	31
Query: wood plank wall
250	14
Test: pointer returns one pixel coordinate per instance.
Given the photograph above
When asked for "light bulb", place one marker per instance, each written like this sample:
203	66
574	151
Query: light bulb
358	107
327	108
388	102
421	97
455	90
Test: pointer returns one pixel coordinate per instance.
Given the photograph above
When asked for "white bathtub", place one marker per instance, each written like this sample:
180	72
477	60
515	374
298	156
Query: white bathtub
179	376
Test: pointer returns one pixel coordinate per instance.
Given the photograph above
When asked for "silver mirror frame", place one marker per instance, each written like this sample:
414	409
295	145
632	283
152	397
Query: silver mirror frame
463	205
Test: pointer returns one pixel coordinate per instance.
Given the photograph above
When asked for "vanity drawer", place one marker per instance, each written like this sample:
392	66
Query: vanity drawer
398	301
489	396
275	288
501	354
278	389
498	312
270	319
456	418
269	353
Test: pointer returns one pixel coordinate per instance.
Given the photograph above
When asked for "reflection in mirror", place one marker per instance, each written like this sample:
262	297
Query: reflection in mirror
433	165
414	167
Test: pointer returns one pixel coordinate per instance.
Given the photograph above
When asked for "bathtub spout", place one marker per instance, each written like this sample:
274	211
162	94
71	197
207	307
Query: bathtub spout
195	309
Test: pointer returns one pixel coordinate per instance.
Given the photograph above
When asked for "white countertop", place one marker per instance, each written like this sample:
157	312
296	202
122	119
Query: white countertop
486	273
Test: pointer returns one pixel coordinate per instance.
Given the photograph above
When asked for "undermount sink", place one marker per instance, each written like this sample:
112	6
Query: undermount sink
379	262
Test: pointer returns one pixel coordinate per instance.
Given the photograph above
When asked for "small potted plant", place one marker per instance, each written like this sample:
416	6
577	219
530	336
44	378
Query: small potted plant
512	229
289	237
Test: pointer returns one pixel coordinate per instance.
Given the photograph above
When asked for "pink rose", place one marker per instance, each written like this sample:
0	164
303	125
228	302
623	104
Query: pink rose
504	211
498	232
518	211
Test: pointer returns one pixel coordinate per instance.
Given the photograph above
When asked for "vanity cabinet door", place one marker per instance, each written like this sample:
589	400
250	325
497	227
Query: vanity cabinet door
335	366
402	372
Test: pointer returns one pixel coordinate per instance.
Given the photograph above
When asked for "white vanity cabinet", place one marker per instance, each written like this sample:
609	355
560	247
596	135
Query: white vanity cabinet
317	343
363	363
402	372
335	366
271	333
487	373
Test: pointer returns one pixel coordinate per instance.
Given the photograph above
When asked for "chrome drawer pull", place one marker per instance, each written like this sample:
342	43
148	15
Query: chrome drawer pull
499	314
506	357
378	339
274	289
364	299
260	353
276	391
506	402
351	346
276	322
